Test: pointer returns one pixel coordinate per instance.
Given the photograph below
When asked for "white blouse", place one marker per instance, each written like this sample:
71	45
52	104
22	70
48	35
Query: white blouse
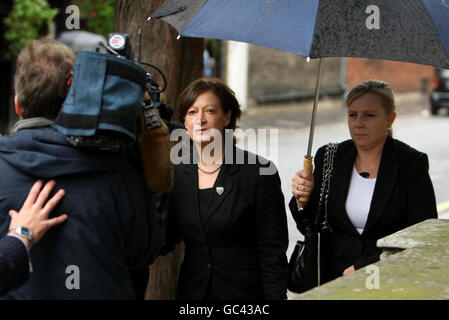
358	202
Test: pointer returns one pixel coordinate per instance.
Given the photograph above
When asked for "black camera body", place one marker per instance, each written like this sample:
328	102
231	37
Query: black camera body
120	45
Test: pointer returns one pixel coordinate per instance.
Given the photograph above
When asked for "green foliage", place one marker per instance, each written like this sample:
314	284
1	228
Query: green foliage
99	15
28	19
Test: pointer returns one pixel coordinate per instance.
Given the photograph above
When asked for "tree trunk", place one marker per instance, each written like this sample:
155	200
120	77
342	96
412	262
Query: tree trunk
181	62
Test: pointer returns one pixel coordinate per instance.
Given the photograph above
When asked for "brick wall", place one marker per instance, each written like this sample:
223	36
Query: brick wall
283	76
403	77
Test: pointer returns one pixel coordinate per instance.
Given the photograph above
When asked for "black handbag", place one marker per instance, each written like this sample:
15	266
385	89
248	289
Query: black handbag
306	261
303	265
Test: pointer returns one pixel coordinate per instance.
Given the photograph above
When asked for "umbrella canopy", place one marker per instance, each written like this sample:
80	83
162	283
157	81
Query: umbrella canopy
414	31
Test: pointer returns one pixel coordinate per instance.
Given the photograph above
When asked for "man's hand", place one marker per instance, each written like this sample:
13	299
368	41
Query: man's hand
34	212
349	270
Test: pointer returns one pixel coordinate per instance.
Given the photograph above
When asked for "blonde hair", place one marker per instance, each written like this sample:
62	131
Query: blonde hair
381	88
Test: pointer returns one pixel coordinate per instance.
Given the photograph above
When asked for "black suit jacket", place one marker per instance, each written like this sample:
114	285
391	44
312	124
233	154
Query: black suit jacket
403	195
14	267
238	252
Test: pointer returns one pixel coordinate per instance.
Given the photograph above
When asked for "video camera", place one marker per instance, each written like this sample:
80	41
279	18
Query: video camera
109	91
119	44
154	135
113	102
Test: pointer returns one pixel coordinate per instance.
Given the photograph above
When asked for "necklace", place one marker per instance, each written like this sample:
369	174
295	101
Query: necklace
365	173
209	171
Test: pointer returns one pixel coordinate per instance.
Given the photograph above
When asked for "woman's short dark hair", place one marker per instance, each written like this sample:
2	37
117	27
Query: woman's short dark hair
219	88
40	81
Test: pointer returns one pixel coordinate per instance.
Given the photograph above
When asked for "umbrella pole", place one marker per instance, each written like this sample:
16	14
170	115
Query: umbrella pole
308	164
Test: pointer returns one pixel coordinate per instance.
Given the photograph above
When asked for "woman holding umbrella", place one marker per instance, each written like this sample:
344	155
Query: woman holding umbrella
379	185
230	215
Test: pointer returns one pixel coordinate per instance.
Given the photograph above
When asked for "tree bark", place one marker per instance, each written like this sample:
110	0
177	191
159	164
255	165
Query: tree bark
181	62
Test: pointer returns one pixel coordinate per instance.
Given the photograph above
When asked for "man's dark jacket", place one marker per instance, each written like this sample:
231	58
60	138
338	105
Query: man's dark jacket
107	233
14	267
403	195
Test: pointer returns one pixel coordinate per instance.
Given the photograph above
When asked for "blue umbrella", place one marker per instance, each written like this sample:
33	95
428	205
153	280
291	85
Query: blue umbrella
404	30
414	31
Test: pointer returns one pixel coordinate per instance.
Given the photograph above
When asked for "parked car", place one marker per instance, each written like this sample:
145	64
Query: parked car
439	98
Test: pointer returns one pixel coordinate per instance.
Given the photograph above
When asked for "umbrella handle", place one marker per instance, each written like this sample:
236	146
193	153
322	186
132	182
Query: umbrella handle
308	168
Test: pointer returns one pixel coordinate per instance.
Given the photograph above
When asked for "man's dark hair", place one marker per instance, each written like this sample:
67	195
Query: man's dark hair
40	80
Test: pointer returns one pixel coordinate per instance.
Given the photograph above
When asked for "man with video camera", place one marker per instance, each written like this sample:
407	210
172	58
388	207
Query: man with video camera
107	238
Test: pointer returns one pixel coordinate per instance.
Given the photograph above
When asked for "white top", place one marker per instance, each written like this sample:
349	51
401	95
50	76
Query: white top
358	202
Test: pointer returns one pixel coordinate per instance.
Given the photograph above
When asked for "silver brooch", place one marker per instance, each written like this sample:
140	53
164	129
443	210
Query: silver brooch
219	190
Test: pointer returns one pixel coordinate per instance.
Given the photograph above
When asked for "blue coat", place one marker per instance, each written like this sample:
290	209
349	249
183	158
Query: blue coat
107	234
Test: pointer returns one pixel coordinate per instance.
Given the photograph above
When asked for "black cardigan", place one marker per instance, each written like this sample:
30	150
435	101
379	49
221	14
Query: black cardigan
403	196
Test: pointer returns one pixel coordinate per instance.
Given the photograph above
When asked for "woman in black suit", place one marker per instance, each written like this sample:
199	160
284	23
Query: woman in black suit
227	207
379	185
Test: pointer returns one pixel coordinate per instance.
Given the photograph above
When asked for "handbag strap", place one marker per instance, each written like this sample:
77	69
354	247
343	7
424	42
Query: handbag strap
328	167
